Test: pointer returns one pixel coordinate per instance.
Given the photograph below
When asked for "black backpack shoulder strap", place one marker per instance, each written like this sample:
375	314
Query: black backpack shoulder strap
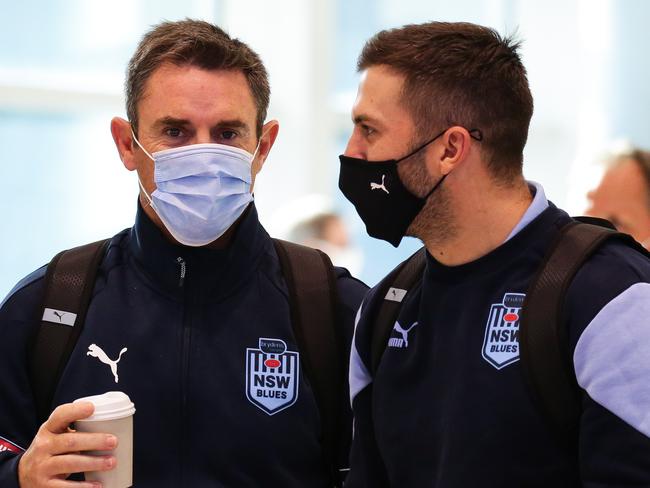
69	282
390	296
544	344
313	302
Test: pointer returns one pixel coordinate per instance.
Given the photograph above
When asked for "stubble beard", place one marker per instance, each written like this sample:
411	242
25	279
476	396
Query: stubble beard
435	223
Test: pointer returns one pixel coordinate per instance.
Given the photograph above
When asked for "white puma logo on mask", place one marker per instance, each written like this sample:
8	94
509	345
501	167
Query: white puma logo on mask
377	186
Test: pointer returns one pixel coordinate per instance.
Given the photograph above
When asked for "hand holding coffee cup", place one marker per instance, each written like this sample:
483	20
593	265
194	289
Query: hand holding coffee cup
57	451
113	414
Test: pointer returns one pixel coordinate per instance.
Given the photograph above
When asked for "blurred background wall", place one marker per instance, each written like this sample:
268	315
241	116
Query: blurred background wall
61	77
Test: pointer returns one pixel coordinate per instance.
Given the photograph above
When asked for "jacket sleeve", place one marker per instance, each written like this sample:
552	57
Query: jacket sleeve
609	309
17	412
366	466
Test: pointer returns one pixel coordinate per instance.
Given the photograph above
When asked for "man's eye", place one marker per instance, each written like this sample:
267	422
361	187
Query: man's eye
173	132
367	131
228	134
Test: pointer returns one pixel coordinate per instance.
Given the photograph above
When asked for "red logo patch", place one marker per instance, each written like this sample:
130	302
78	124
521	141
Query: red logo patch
6	445
272	363
510	317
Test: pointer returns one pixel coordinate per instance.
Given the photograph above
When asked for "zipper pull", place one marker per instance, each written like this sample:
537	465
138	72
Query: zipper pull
181	263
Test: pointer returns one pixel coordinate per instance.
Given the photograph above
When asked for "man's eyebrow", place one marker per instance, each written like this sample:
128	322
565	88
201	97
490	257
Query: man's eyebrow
363	118
232	124
367	119
359	119
171	121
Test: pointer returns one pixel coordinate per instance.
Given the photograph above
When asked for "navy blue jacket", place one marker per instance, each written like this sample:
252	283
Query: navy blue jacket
449	406
191	321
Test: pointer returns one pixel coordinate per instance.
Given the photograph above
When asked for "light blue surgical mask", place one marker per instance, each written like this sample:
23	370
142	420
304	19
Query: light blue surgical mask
201	189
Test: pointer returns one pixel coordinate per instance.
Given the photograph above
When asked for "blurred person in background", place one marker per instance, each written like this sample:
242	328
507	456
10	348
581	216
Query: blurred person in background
328	232
623	194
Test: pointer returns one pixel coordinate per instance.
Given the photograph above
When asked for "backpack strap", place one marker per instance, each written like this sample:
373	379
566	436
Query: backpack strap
313	302
390	295
544	343
69	282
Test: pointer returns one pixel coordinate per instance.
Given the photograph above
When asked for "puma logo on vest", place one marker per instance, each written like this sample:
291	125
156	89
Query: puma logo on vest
404	341
95	351
377	186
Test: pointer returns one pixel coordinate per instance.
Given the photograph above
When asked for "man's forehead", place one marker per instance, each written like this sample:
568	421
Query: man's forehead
380	95
170	80
189	92
169	69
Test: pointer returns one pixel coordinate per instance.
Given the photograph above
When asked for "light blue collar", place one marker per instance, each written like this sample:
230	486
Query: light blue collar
537	206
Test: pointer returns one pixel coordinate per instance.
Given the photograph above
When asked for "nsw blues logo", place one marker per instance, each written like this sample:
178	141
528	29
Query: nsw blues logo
272	375
501	343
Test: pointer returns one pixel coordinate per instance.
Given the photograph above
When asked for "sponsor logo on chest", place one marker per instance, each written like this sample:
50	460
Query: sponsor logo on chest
272	375
501	342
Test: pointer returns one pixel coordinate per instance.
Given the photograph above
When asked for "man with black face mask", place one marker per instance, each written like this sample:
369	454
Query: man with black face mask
440	123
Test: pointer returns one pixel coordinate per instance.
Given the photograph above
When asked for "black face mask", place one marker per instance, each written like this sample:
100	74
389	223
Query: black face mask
381	199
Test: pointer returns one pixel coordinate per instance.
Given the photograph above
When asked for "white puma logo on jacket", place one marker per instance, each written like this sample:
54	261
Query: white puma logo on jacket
95	351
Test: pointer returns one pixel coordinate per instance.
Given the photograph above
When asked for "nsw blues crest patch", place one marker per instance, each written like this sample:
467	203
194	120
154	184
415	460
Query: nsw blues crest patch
272	375
501	342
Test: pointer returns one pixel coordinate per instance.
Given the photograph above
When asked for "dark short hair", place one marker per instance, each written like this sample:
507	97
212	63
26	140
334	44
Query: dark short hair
461	74
195	43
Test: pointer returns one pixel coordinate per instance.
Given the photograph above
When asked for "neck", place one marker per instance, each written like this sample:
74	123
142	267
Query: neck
483	214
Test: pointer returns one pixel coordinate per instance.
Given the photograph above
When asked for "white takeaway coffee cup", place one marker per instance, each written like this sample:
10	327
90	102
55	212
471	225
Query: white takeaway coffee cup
113	415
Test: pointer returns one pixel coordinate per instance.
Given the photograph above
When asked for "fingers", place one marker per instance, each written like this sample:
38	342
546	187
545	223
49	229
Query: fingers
66	414
38	471
74	442
77	463
56	451
74	484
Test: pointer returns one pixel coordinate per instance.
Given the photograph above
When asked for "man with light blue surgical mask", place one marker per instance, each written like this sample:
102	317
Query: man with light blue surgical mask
201	190
196	176
196	313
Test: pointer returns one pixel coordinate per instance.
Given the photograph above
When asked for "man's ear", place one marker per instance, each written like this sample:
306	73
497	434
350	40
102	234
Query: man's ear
456	145
269	134
121	132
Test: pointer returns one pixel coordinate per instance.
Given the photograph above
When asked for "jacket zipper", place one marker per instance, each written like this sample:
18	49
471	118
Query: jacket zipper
186	339
183	266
